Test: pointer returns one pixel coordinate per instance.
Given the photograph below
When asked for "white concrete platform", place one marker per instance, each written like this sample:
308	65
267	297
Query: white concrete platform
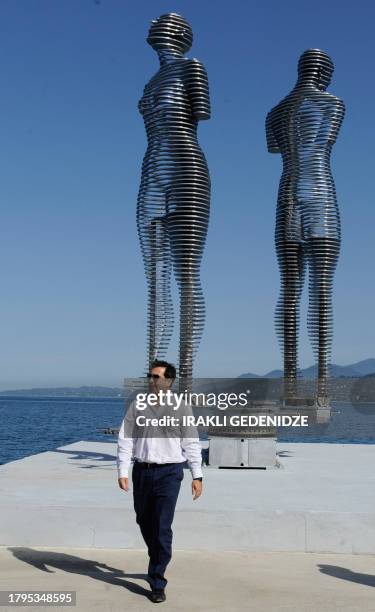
322	499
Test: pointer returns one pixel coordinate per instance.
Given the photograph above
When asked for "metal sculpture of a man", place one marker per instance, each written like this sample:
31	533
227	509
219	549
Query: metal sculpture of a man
303	127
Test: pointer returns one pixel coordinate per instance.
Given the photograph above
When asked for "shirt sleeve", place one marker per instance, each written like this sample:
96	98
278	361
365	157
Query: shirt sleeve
126	443
191	446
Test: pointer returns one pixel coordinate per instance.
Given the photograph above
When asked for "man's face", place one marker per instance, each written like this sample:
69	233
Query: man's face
158	381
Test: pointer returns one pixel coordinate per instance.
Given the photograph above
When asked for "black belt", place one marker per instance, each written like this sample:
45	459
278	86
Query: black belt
148	465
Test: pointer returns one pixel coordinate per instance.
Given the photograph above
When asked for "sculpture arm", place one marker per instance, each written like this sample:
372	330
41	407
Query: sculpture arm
272	145
336	114
196	84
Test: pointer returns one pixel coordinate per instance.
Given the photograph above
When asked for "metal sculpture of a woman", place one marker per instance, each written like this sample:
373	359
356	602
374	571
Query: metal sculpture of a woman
303	127
174	195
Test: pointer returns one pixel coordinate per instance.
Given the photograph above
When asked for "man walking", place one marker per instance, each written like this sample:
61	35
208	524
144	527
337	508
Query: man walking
156	476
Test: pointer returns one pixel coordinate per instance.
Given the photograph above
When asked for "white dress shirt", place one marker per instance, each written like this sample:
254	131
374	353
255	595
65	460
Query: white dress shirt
163	449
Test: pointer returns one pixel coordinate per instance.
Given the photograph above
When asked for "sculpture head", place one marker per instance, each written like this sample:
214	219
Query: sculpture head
170	32
315	67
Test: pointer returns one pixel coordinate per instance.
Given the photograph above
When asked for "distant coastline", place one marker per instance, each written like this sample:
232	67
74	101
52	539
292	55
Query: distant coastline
84	391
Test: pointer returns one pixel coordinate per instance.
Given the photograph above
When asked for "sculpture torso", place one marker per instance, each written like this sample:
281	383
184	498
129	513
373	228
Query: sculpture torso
303	128
165	103
168	110
170	106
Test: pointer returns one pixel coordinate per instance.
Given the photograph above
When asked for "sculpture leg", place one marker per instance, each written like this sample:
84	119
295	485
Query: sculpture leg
323	255
292	264
187	231
154	239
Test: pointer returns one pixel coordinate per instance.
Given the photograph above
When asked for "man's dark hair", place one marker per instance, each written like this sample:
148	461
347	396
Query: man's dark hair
170	370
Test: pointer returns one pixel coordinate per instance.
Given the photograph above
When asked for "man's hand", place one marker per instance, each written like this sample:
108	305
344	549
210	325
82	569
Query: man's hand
123	483
196	488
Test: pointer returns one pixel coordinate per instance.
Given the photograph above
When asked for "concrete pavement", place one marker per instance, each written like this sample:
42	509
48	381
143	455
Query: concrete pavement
114	580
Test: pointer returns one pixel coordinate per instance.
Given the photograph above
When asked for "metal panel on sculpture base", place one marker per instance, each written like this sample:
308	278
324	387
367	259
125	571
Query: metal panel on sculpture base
242	452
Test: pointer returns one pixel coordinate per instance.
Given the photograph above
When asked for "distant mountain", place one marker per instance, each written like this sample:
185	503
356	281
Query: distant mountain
356	370
68	392
272	374
250	375
364	367
275	374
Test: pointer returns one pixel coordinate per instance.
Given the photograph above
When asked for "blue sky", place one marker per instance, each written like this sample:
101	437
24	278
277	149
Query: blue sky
73	290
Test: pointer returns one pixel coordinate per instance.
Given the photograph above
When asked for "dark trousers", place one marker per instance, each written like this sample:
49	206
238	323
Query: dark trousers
155	492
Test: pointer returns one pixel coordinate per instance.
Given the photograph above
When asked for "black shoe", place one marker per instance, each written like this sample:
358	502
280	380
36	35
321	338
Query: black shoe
158	595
